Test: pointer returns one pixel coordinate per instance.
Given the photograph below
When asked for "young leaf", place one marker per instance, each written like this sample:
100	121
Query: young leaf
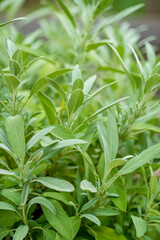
141	159
21	232
75	101
140	226
15	131
87	186
55	184
38	136
92	218
44	202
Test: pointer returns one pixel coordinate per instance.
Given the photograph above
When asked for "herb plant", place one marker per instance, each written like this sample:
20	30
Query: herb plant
79	134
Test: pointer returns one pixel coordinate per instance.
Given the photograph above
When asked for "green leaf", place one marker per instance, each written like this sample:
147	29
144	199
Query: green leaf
92	218
103	109
102	134
145	127
48	107
104	212
141	159
151	82
8	218
101	6
75	223
89	162
3	233
118	187
140	226
76	74
55	184
89	204
44	202
67	12
11	195
89	83
14	67
115	163
4	138
4	147
7	206
62	133
13	20
38	136
24	194
75	101
78	84
63	197
15	131
6	172
87	186
90	131
43	81
153	184
58	87
99	90
21	232
60	221
49	234
138	63
17	56
12	82
11	47
102	232
93	46
67	143
112	135
130	78
117	17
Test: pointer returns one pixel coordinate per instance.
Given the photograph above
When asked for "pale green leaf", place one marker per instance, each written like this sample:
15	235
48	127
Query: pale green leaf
15	131
140	226
55	184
